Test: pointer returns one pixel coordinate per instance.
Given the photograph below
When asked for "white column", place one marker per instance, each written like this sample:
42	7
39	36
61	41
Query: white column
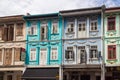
76	30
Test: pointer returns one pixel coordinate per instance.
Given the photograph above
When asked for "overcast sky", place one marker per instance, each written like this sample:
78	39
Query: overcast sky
18	7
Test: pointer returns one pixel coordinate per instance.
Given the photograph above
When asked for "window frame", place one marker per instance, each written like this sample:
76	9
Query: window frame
94	19
51	57
43	51
45	34
114	52
95	56
17	54
108	23
67	53
80	57
33	58
19	27
69	27
32	29
82	28
57	27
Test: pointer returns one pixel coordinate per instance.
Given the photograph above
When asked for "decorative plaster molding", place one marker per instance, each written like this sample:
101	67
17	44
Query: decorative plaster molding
72	42
70	36
94	34
112	41
81	42
92	41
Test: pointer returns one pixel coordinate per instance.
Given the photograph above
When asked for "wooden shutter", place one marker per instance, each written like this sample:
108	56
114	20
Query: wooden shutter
0	55
22	54
8	56
17	54
5	34
46	32
11	33
66	54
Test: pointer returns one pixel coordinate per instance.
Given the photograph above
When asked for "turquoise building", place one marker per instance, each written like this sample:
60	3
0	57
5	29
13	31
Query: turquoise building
44	45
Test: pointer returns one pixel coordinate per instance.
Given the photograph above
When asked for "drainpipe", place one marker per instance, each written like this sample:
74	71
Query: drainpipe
103	53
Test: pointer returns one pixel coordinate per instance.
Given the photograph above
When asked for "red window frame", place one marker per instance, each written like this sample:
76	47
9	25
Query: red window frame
111	20
113	49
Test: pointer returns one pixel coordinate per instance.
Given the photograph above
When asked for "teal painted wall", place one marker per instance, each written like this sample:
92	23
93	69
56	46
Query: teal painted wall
34	41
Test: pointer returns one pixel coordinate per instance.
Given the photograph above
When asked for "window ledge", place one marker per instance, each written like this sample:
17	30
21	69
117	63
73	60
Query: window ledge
55	33
54	59
111	59
19	35
32	35
70	33
94	30
111	30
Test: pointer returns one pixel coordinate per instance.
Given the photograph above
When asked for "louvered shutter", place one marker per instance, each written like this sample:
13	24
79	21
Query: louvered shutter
17	54
11	34
5	37
0	55
8	57
46	32
79	56
72	55
3	33
66	54
23	55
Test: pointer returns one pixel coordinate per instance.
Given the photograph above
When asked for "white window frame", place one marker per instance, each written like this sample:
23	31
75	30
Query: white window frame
83	28
94	57
32	30
45	26
94	21
56	25
79	53
70	55
43	50
33	54
55	55
70	28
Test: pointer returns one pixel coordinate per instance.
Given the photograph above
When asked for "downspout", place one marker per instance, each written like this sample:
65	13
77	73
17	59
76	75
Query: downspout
103	53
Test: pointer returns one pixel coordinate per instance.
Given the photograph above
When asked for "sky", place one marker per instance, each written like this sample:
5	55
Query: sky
22	7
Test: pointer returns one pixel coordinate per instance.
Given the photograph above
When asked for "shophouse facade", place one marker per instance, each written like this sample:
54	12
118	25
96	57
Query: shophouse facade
82	44
112	42
44	46
12	47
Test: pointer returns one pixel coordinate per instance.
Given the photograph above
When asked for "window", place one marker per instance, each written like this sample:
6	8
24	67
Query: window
111	23
9	77
32	54
44	32
43	56
93	23
54	54
112	52
0	55
19	29
81	26
17	54
1	31
8	32
93	52
8	56
55	27
70	27
69	54
82	54
32	30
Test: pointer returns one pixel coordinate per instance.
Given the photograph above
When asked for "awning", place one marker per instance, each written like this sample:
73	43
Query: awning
41	73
